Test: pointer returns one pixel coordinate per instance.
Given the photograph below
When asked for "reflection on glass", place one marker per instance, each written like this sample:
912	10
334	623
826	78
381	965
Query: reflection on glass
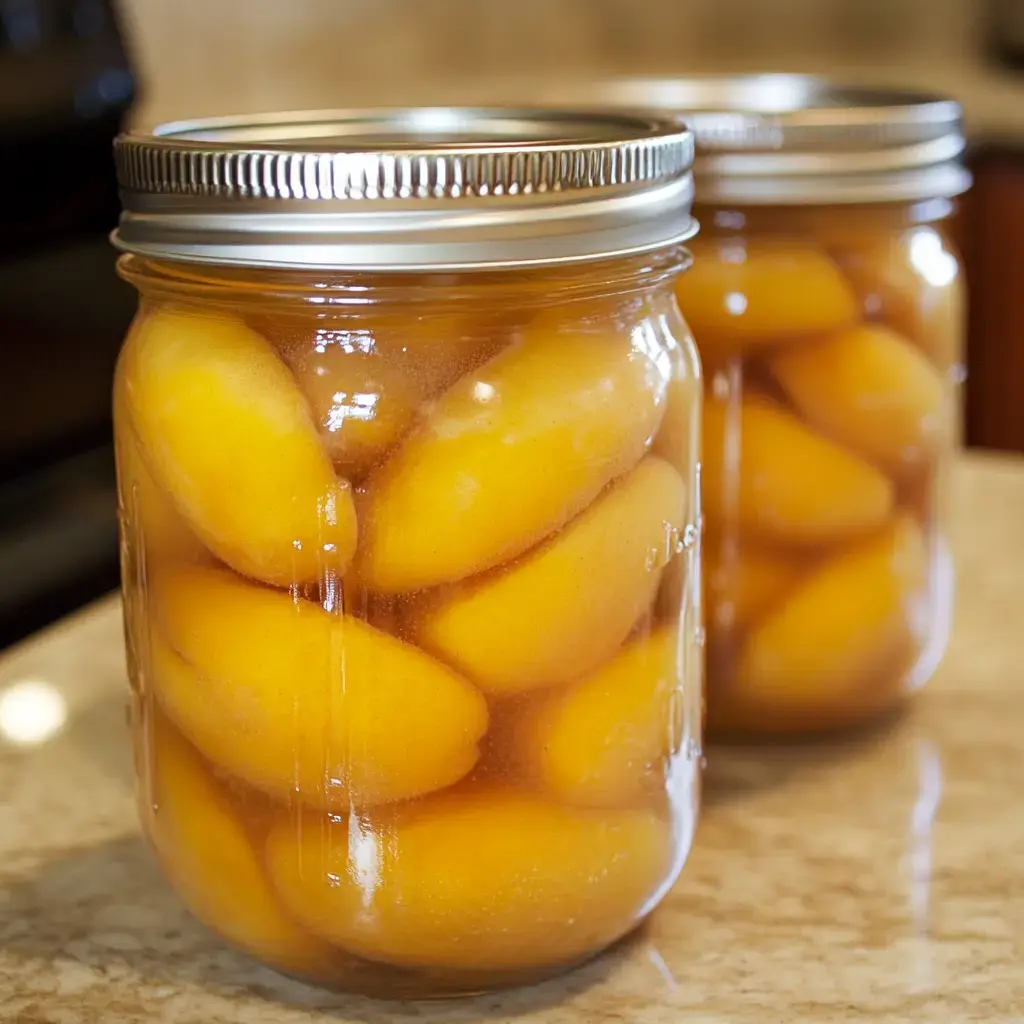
31	711
930	258
359	406
736	303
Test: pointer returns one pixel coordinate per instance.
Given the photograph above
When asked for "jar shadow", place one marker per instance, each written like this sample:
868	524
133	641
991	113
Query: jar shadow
102	918
738	770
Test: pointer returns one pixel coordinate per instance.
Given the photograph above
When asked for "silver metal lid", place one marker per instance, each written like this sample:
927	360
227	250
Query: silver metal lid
778	139
434	188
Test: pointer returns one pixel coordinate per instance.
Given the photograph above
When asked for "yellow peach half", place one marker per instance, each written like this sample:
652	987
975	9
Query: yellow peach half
850	620
768	473
297	701
912	282
871	390
508	455
476	878
566	606
741	581
211	859
228	435
604	741
741	293
153	526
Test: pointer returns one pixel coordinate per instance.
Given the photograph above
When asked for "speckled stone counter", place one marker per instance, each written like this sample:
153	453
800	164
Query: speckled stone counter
881	879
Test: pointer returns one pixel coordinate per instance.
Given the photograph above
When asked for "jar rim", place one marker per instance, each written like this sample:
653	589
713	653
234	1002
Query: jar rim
406	189
788	138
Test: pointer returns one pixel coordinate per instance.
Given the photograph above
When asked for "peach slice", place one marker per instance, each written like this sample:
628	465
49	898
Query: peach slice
741	585
228	435
854	617
766	472
297	701
912	282
154	527
604	741
741	293
508	455
871	390
210	857
477	878
565	607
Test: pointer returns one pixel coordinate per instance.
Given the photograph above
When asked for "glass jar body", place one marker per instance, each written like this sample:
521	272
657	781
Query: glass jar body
410	571
832	341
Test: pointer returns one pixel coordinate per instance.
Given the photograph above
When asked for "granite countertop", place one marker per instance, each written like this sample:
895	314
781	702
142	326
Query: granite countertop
881	878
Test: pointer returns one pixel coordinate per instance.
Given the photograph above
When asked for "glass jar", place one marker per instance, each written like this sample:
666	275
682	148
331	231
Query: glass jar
407	461
827	303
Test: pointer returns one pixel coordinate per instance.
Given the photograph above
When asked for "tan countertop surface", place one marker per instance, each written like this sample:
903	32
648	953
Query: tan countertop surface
881	879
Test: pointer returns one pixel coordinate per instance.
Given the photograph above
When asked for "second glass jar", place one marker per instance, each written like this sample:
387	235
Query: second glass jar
828	308
831	341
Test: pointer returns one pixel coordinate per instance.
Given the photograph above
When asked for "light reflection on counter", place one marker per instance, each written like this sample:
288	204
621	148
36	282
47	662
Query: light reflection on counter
922	821
31	712
658	962
919	867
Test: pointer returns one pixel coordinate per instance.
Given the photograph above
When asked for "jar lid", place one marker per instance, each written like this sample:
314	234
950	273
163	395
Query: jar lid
779	139
431	188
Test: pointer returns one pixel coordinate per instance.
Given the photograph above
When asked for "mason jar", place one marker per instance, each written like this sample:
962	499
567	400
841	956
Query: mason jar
407	429
828	306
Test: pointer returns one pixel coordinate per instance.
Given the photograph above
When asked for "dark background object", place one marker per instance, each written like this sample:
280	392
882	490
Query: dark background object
65	88
991	237
1006	31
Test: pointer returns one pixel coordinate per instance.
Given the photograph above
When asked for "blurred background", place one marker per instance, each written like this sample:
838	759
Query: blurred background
71	71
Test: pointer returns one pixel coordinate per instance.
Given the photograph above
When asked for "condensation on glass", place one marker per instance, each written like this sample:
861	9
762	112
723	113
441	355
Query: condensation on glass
828	308
407	446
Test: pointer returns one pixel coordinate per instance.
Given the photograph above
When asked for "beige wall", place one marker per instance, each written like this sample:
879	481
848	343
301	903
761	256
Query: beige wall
221	56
